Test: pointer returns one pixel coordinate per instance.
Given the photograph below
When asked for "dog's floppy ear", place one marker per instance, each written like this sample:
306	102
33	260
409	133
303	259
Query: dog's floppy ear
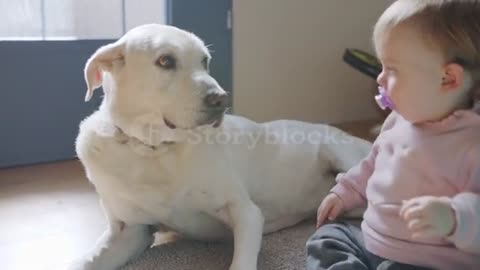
101	60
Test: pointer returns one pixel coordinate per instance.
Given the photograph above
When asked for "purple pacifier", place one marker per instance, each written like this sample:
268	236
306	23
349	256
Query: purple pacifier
383	100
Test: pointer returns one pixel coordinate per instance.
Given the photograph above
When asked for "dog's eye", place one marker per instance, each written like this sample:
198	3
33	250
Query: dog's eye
205	63
166	61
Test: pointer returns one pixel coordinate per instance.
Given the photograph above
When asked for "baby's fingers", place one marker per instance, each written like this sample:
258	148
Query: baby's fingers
418	224
325	211
407	205
336	211
322	214
427	232
413	212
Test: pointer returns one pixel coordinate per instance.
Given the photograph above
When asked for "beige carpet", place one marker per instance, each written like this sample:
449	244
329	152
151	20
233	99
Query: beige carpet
283	250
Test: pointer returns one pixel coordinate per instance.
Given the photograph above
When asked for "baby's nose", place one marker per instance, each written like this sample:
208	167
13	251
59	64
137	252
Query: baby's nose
381	78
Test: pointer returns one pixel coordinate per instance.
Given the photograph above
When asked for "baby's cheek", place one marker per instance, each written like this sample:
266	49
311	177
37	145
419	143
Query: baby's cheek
392	82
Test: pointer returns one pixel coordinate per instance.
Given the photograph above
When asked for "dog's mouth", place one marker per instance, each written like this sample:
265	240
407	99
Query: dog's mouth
169	123
215	120
218	121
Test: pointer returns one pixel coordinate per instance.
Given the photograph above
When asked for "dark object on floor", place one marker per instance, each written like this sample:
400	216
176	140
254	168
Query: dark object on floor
363	62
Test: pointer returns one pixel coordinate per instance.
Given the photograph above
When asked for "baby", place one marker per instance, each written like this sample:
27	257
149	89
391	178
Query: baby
421	180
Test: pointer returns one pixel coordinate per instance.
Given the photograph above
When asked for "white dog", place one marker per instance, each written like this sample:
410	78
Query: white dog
160	156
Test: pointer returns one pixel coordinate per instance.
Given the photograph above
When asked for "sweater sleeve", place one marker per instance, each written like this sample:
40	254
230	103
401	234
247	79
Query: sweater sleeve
466	204
467	234
351	186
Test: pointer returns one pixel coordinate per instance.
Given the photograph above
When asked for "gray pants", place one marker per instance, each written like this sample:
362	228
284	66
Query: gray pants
339	246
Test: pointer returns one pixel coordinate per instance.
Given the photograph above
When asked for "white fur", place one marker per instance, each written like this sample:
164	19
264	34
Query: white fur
203	182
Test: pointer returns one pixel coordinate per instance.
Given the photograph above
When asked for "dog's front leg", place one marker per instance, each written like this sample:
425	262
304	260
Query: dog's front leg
118	244
247	225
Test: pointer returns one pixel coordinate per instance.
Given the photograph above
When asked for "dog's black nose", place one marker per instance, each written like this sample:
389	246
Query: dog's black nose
216	101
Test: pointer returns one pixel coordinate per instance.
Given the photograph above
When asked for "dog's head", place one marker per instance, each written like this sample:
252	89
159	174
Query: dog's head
156	73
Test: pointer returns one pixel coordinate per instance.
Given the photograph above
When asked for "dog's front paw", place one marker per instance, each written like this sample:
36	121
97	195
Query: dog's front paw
80	265
238	266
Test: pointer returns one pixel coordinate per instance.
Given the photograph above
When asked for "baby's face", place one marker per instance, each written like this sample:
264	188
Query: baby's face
412	75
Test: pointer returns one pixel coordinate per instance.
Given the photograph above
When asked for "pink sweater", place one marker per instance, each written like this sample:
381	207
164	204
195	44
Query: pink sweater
407	161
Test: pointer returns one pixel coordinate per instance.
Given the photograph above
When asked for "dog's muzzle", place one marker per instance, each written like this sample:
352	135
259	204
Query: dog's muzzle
216	101
215	107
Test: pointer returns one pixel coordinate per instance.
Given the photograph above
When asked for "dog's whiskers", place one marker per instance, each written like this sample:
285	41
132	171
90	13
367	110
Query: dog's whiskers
208	47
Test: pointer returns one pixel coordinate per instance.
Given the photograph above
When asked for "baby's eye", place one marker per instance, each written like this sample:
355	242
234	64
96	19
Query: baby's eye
389	69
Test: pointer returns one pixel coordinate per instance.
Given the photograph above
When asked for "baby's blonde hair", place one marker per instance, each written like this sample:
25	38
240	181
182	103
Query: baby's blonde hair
450	26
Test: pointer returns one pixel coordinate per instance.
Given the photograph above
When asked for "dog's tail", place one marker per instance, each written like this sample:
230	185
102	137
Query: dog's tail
347	151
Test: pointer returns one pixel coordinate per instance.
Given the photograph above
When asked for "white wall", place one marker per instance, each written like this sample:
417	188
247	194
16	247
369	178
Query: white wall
288	63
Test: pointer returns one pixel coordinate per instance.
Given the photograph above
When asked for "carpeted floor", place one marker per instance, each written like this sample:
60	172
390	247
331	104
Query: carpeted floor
282	250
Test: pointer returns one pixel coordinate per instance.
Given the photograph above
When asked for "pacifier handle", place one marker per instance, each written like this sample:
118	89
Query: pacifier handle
383	100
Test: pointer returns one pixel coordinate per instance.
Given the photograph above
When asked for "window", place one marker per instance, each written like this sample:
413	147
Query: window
75	19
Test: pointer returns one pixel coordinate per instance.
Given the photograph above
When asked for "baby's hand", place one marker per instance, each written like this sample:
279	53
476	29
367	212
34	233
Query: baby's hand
429	216
331	207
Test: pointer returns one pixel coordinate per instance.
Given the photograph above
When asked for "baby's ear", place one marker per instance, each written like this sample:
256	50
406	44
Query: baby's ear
453	77
101	60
